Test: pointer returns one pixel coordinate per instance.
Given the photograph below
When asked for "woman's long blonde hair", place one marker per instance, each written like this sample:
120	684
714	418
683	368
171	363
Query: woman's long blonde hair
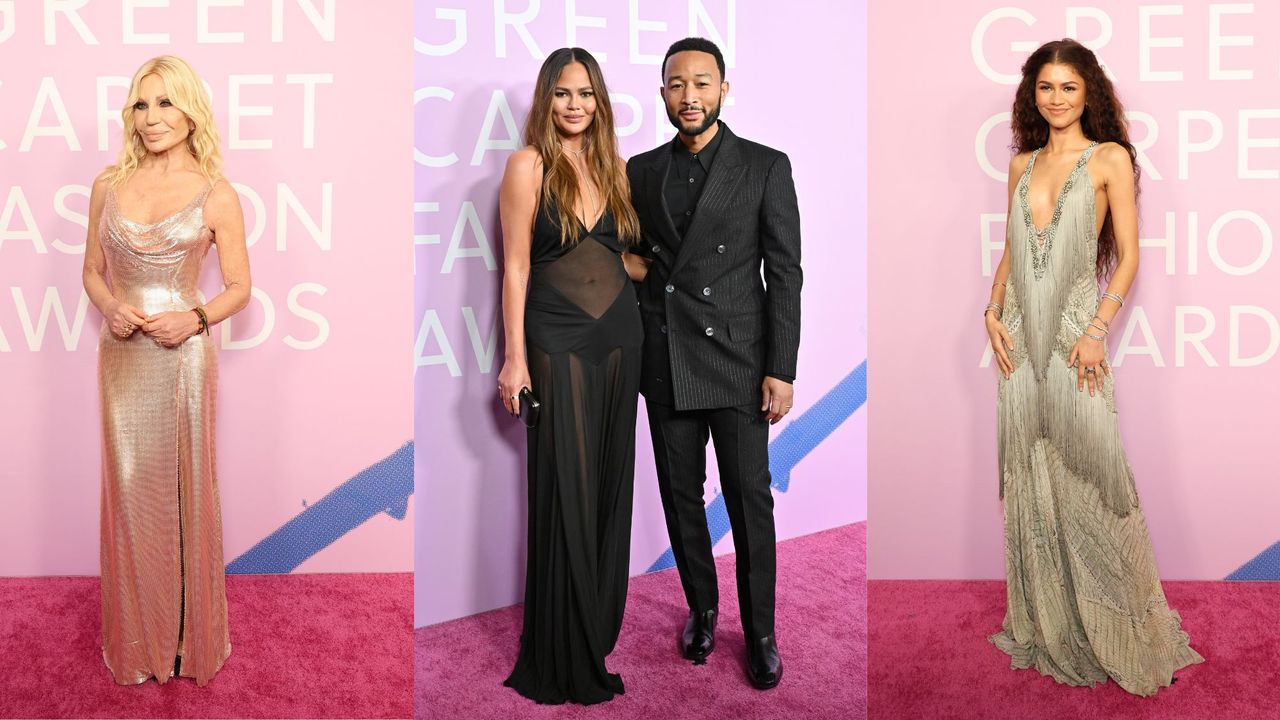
559	180
187	93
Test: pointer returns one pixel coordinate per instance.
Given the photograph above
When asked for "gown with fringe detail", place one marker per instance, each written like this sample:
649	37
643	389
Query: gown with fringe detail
1084	601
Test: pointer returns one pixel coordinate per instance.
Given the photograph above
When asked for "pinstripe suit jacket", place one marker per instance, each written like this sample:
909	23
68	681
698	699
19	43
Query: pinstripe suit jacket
714	327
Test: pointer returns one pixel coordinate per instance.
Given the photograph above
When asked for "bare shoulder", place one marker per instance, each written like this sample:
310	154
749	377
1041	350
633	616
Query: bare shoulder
1018	163
525	161
101	185
98	193
1114	156
222	206
524	172
223	196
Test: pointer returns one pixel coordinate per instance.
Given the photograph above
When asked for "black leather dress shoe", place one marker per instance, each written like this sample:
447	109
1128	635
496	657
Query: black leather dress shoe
699	636
764	667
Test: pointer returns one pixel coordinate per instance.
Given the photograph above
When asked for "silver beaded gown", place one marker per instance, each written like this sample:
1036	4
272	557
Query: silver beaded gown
1084	598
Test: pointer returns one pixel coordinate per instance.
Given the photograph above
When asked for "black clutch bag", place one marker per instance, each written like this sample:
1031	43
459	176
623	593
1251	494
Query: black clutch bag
530	408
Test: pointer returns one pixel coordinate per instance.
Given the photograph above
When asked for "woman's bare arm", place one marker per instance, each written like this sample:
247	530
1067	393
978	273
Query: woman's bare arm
225	218
122	319
517	203
1122	201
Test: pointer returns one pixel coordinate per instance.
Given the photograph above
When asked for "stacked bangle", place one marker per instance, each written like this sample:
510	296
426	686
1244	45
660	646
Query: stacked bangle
1113	296
1091	336
994	306
204	320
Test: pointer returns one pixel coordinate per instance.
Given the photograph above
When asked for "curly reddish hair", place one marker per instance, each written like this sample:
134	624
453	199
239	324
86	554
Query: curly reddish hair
1103	119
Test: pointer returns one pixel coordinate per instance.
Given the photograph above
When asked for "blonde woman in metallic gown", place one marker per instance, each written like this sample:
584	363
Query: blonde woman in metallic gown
152	219
1084	599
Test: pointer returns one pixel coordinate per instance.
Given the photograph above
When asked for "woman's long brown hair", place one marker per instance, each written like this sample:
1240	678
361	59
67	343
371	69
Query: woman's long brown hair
559	180
1103	119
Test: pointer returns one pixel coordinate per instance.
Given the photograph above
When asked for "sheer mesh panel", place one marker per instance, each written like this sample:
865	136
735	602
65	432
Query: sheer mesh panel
590	276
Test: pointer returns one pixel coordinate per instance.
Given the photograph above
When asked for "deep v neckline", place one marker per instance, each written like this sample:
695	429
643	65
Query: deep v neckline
1059	198
1041	240
591	230
163	218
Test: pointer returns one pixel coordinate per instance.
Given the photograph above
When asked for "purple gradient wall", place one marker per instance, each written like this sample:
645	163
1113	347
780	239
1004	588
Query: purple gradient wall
1194	349
796	84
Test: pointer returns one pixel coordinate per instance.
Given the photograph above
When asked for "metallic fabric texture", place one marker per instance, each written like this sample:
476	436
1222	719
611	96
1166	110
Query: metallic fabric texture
163	593
1084	598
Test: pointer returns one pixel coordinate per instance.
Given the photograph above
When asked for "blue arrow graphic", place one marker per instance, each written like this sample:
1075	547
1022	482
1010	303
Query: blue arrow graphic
384	486
791	446
1266	566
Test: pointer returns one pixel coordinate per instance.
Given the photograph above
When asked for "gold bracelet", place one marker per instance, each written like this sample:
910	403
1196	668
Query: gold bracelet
204	320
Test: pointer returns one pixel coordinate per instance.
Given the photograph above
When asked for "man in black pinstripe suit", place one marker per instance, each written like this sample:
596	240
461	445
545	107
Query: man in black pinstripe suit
720	346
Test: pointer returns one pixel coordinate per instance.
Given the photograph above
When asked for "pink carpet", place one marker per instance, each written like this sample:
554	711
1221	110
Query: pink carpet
821	629
302	646
930	657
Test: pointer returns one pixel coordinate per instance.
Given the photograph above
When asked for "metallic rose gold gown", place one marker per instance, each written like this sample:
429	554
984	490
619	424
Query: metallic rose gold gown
162	571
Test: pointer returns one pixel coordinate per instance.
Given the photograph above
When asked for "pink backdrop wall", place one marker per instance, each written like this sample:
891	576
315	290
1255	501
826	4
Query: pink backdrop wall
311	102
1195	347
474	72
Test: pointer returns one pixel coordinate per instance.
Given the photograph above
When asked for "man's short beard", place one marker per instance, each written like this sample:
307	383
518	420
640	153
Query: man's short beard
711	115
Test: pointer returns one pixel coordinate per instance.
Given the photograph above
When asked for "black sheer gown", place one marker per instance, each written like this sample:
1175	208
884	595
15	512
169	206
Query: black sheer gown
583	335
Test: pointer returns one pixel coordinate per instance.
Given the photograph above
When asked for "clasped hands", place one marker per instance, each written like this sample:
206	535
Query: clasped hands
167	329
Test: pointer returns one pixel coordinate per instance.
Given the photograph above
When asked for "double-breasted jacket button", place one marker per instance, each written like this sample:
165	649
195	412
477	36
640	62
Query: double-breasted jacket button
710	332
671	288
706	291
657	249
720	249
664	329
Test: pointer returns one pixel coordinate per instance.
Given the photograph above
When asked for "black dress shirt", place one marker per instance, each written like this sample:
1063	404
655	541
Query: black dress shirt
686	178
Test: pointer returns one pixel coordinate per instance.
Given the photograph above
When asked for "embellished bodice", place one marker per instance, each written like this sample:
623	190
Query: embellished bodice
1053	285
155	266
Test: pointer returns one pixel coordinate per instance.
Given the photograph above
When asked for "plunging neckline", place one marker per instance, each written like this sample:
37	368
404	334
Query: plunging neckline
163	218
1081	161
591	230
1041	240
